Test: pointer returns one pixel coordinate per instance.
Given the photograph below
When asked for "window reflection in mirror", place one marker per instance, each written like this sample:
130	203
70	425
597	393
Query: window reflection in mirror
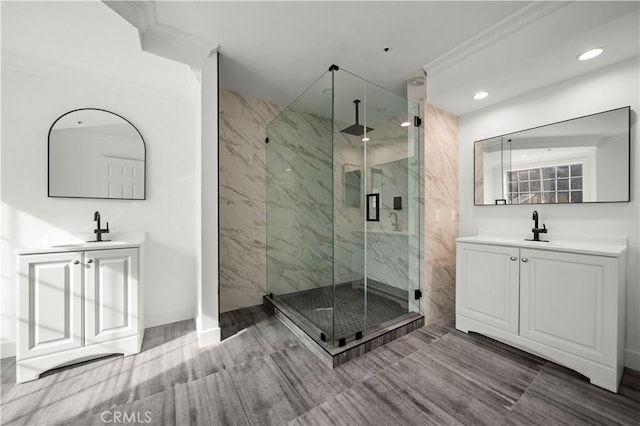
96	154
582	160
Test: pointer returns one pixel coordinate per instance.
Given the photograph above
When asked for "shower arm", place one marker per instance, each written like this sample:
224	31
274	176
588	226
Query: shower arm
356	102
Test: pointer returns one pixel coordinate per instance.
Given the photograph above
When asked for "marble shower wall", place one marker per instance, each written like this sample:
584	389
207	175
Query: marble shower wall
441	194
306	189
300	202
299	167
242	199
393	256
388	251
349	220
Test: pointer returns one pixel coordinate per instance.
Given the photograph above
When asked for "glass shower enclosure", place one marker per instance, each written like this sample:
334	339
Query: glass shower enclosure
343	209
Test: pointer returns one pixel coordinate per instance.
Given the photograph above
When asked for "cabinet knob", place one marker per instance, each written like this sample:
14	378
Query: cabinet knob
514	258
90	261
524	259
76	262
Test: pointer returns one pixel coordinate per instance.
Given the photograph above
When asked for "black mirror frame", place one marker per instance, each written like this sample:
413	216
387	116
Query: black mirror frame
373	207
503	202
144	146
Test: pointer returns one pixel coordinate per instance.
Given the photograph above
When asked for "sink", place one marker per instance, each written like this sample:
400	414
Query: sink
89	244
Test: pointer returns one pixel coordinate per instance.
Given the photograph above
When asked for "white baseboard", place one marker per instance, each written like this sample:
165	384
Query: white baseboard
167	317
7	348
632	359
209	337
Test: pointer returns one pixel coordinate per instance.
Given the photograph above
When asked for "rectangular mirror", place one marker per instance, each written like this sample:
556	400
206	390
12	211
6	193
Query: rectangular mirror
373	207
390	181
583	160
352	179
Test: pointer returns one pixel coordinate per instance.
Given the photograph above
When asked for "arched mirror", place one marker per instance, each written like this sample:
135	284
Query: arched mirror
95	153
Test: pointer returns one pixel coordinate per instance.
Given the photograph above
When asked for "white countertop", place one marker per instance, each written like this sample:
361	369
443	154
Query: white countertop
81	243
582	247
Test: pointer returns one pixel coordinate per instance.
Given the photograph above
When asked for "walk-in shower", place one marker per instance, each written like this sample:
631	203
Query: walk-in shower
337	275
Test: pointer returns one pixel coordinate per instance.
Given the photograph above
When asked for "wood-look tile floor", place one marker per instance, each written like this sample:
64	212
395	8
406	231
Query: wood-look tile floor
261	375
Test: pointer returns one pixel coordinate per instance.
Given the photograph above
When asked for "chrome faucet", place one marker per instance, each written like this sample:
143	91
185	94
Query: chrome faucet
99	231
396	224
537	231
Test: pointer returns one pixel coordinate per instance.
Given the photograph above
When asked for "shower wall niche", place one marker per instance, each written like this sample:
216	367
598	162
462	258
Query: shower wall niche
337	276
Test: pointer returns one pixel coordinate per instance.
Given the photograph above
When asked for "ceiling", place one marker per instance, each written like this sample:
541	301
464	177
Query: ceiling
275	50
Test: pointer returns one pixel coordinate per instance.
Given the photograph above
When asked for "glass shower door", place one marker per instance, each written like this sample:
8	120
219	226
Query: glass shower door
392	243
350	187
341	271
299	163
376	154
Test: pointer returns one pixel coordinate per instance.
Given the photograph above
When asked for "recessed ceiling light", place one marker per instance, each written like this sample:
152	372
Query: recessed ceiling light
480	95
524	155
590	54
288	170
365	139
406	124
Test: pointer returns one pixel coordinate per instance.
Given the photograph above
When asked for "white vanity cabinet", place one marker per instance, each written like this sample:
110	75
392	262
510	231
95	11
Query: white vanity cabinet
111	295
489	292
76	305
50	304
561	302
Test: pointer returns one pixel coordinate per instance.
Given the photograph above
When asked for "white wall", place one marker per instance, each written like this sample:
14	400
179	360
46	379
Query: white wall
34	94
606	89
206	186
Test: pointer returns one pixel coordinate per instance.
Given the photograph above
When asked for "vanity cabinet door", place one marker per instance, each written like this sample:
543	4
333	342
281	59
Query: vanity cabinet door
111	294
570	302
487	284
49	303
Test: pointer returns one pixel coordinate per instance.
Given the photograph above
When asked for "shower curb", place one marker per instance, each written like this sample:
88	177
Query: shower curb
333	357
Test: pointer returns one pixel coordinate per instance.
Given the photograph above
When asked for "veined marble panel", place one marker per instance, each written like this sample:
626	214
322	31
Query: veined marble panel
242	199
242	146
441	193
349	259
388	155
348	219
289	195
388	258
299	203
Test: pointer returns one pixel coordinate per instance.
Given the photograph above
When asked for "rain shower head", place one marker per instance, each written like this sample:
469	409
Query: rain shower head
356	129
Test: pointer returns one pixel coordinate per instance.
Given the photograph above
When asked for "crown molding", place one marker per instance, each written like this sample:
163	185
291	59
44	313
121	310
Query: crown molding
161	39
529	14
29	65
